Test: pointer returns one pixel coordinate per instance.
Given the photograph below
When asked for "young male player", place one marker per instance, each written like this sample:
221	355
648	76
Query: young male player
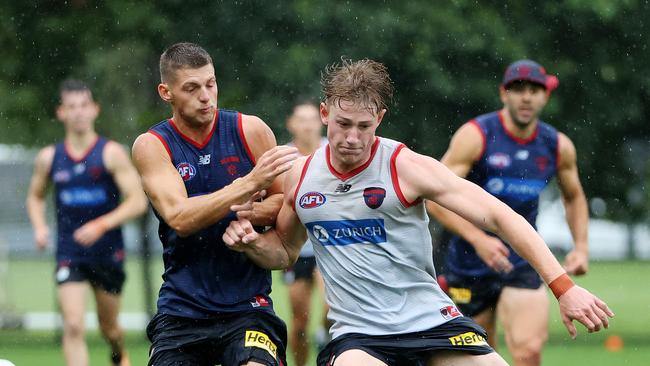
96	190
372	242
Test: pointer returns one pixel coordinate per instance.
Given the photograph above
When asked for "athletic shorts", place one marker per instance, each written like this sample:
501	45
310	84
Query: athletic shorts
227	340
460	334
302	270
109	276
473	295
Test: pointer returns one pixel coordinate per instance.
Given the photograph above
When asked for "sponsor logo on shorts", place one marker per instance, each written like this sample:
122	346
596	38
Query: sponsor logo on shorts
450	312
186	170
311	200
374	196
460	295
62	274
345	232
468	339
257	339
259	301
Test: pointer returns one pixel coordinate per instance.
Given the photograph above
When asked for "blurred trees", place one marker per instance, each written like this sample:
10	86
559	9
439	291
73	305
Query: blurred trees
446	59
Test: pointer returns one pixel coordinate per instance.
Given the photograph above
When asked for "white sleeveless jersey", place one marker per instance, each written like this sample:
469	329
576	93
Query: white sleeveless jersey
372	247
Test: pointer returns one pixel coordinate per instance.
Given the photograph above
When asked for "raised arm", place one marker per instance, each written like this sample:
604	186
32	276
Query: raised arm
187	215
465	148
423	177
134	202
575	204
36	196
279	247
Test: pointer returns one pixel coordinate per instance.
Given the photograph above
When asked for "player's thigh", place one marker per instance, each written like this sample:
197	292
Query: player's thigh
449	358
356	357
524	315
72	299
487	320
108	306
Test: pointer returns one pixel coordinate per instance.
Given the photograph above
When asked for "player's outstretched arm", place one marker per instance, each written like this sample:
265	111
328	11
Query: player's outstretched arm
36	196
134	201
277	248
575	204
424	177
186	215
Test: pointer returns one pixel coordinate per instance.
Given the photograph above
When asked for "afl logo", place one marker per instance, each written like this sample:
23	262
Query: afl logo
499	160
311	200
186	170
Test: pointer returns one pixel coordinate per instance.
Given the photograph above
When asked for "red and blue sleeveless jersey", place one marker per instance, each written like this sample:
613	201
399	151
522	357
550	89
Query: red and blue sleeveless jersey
202	276
84	190
515	171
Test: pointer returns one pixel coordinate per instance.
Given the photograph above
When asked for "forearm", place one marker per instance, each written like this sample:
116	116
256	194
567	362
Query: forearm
269	252
133	206
36	212
577	216
266	212
523	238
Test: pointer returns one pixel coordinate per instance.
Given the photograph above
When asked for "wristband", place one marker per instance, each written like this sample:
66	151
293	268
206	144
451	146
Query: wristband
560	285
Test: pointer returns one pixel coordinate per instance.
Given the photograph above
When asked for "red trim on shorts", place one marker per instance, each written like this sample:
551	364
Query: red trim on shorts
518	140
302	176
84	155
162	139
188	139
395	179
243	138
478	126
355	171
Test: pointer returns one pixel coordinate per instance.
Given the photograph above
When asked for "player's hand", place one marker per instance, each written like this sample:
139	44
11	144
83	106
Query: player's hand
90	232
42	237
581	305
271	164
247	209
240	235
494	253
576	263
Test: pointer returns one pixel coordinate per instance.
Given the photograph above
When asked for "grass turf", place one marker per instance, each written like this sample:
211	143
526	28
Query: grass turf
31	288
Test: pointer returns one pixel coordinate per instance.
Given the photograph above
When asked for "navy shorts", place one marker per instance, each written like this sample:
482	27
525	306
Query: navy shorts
460	334
228	340
109	276
302	270
473	295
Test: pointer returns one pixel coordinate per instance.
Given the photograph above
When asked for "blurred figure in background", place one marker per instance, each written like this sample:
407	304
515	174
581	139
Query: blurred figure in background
305	127
96	190
513	155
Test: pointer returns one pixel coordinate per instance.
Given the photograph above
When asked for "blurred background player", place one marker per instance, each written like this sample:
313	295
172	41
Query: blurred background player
513	155
96	189
305	127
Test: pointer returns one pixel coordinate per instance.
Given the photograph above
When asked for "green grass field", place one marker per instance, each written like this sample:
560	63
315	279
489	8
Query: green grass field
621	284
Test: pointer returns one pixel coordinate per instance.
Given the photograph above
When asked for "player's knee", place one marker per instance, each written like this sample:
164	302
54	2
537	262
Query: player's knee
110	330
73	328
528	352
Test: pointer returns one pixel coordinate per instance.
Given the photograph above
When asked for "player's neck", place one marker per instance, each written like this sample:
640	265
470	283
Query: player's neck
79	143
515	129
196	131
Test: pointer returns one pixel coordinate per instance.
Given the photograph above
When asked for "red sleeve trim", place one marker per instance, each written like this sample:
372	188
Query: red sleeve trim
480	130
394	177
242	136
302	177
162	139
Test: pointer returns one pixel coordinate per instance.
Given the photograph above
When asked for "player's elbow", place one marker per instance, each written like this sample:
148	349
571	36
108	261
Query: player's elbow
182	227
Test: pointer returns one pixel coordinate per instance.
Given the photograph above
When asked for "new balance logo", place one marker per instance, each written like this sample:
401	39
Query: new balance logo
204	159
343	188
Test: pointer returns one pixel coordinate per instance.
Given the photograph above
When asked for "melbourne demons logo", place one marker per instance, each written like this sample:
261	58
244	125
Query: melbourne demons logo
374	196
186	170
311	200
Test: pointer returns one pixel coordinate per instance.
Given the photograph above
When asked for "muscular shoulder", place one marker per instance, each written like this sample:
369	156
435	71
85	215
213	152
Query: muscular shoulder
115	155
567	151
44	159
258	135
293	176
148	149
419	176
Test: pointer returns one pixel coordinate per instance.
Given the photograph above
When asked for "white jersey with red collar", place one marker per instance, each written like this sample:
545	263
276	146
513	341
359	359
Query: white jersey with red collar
372	246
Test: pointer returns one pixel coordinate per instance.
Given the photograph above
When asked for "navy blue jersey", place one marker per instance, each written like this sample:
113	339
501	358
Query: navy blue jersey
202	276
515	171
84	190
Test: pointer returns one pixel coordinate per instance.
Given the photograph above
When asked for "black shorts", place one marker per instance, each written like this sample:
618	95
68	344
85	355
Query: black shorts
228	340
460	334
302	270
473	295
109	276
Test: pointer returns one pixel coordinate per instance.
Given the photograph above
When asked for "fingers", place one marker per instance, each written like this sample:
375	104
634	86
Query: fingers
601	315
573	332
603	306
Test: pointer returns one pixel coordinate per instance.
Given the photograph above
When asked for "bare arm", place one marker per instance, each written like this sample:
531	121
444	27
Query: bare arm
134	202
575	204
464	149
423	177
36	196
186	215
276	248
